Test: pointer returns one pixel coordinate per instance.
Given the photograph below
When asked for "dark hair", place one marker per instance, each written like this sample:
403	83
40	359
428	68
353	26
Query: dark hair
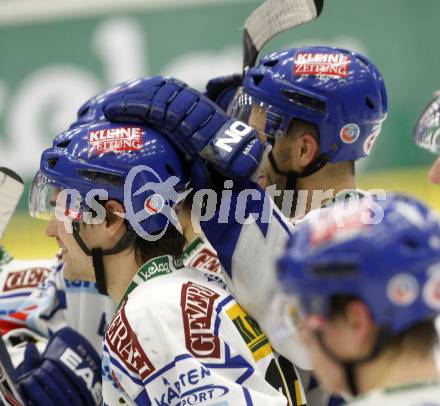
171	243
421	337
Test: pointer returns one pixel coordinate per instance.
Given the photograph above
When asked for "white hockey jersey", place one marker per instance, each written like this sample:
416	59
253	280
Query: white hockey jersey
248	251
417	394
179	338
36	300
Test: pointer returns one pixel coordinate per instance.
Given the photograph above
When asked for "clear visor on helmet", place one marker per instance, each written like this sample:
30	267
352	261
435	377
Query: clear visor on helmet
46	200
427	130
262	116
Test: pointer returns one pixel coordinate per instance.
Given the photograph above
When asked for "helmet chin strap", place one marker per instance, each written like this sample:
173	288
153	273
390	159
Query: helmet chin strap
97	254
292	176
350	367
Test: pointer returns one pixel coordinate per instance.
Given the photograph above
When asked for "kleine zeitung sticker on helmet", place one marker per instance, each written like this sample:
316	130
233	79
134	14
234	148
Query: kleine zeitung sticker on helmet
431	290
115	139
154	203
334	65
349	133
402	289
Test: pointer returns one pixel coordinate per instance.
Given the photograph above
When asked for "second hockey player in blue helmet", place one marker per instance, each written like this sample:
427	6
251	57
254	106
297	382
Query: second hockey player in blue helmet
368	291
321	108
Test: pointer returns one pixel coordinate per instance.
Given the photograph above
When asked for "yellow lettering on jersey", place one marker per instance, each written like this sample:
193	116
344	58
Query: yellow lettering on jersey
250	331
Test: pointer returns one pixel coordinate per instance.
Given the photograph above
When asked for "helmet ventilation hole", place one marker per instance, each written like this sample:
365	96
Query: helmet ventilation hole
257	79
369	103
63	144
52	162
411	244
270	63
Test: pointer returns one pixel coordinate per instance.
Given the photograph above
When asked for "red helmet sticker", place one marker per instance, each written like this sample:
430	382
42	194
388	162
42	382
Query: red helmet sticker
402	289
154	204
115	140
349	133
322	64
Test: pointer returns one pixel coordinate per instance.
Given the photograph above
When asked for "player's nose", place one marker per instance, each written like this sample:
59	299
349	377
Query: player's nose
434	173
51	229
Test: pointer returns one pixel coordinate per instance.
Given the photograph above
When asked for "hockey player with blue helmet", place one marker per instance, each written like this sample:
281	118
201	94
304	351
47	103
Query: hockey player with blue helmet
366	283
110	189
321	108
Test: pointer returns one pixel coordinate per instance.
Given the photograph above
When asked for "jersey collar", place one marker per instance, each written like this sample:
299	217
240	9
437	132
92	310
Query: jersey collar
344	195
154	268
192	248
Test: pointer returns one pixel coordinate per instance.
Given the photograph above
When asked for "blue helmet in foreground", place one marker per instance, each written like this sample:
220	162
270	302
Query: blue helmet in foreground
341	92
129	163
393	265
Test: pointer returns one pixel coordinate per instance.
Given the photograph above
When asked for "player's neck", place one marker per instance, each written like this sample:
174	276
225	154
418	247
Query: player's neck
189	226
325	185
391	370
120	269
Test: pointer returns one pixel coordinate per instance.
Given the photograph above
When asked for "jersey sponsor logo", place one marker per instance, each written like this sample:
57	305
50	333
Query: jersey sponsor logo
250	331
402	289
78	366
115	139
160	266
320	64
205	259
349	133
186	390
234	133
197	303
124	343
25	278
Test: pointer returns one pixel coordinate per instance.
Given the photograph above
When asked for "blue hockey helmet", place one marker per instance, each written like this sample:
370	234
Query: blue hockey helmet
393	265
92	109
130	163
339	91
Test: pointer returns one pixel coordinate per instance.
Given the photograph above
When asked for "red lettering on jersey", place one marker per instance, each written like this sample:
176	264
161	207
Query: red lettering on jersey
205	259
123	342
25	278
197	304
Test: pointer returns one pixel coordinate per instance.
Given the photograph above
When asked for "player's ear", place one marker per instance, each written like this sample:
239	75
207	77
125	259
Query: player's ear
307	149
114	222
361	324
